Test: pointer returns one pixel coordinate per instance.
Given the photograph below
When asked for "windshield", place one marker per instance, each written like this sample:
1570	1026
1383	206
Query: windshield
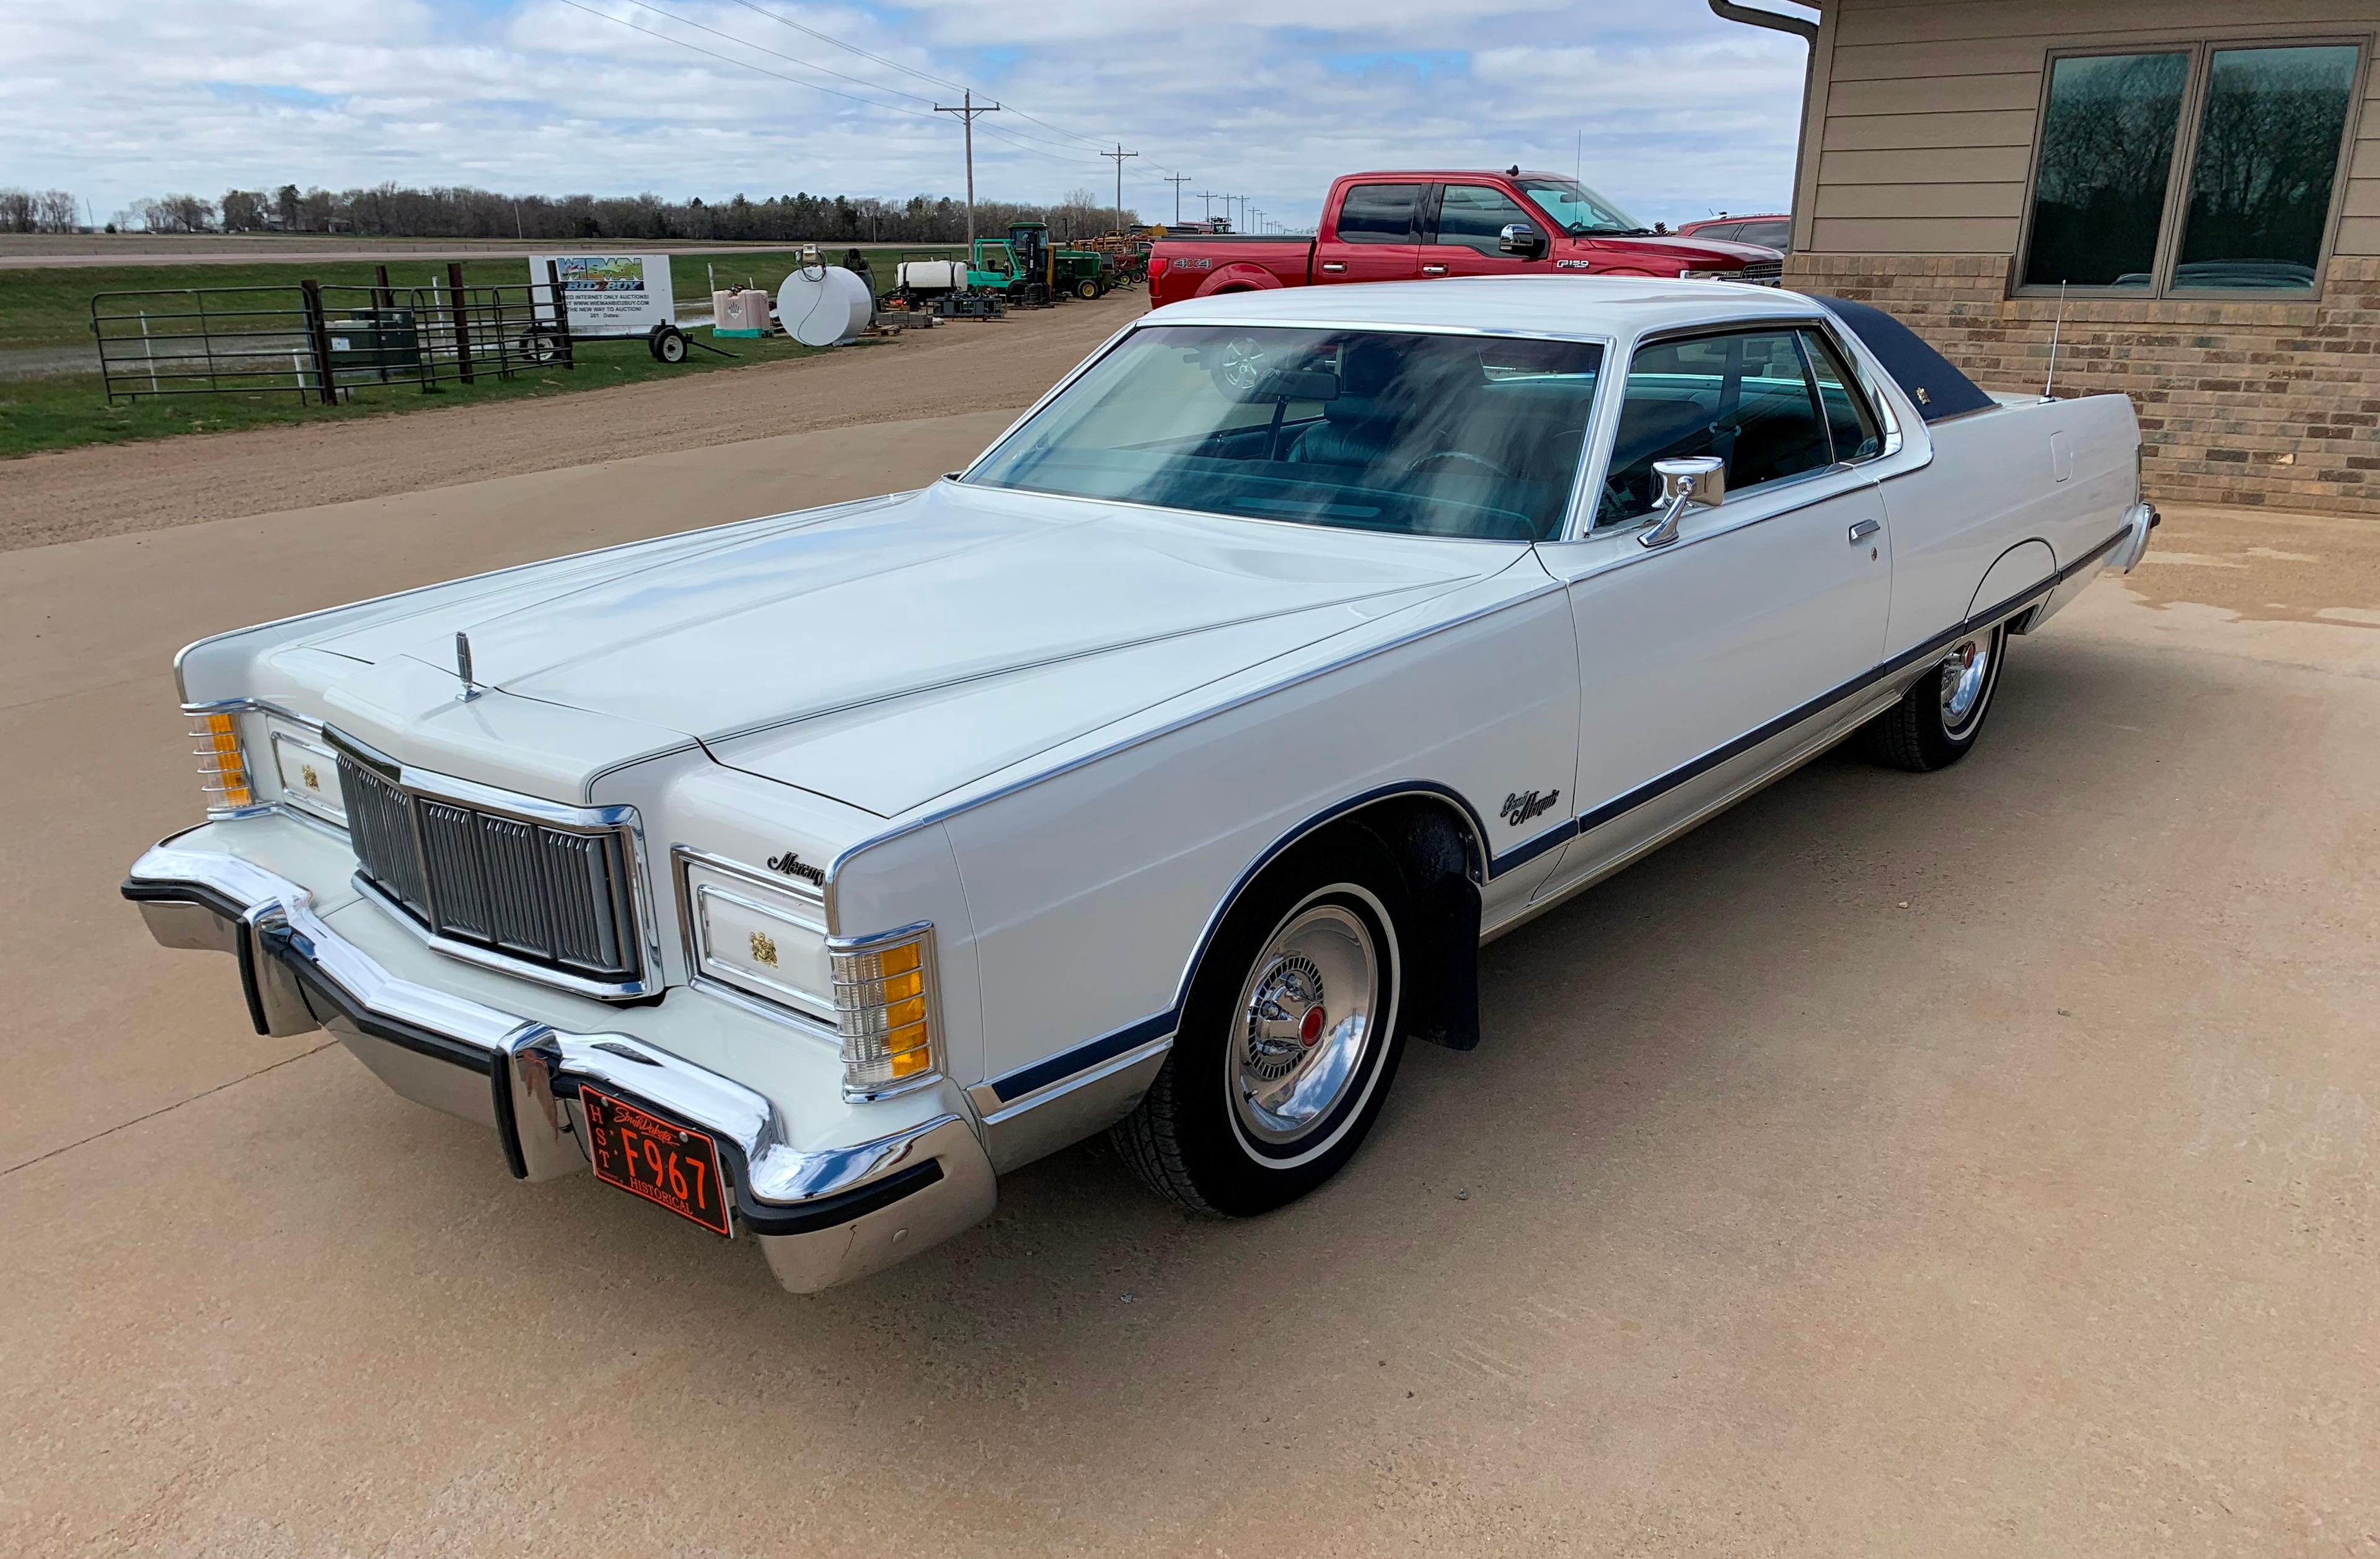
1577	210
1427	435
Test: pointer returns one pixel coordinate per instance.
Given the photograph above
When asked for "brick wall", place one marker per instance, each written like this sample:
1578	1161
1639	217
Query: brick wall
2265	403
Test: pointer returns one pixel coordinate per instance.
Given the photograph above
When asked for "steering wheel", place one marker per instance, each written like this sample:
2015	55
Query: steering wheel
1458	454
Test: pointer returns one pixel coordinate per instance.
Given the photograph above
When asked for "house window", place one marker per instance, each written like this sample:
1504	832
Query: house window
2190	170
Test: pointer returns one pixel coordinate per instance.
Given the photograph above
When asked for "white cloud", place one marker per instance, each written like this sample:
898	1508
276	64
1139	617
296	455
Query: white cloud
1678	113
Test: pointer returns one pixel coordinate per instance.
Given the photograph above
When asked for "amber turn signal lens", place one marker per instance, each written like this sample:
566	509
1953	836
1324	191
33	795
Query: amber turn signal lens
223	763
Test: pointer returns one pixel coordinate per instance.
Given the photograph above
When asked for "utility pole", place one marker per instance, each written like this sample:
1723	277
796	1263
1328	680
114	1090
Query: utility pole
967	113
1206	199
1119	154
1177	181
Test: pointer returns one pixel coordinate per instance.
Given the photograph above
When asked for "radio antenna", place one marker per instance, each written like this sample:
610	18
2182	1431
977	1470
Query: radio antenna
2051	377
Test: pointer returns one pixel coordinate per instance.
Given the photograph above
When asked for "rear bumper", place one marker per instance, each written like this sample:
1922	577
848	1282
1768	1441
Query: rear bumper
2139	520
822	1216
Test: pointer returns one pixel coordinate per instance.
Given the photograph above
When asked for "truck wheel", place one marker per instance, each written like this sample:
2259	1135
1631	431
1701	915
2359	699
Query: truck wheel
1087	289
1289	1040
1238	366
1936	722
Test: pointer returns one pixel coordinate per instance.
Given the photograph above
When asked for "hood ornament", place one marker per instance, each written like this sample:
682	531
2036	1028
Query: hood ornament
463	668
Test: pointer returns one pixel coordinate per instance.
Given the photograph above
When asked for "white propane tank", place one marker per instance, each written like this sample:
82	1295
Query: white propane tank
824	306
932	276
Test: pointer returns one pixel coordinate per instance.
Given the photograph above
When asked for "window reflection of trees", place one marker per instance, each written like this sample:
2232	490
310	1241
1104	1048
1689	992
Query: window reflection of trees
2106	154
2265	163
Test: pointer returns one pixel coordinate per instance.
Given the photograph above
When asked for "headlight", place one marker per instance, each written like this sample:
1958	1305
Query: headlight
769	939
222	758
883	998
761	938
308	773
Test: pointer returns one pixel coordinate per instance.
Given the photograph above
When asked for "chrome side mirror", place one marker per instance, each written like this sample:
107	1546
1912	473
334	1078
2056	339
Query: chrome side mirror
1520	238
1687	479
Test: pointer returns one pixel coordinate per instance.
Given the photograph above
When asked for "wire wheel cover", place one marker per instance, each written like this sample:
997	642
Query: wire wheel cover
1305	1021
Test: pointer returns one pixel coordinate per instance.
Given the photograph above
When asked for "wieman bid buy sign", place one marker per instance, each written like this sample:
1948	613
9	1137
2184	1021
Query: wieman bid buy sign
608	293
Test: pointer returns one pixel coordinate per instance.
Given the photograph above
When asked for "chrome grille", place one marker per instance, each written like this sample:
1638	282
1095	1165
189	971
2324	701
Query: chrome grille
552	896
1765	273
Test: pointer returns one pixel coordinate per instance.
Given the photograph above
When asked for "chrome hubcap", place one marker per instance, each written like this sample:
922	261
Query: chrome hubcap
1965	672
1304	1018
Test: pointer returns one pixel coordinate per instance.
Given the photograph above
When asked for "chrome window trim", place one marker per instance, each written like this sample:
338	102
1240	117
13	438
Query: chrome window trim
1604	341
681	858
624	821
1818	320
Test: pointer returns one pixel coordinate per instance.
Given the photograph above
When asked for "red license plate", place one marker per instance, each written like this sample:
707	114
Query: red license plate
656	1159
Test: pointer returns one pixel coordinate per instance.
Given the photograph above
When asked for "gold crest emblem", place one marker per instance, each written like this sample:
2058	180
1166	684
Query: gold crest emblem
313	781
764	949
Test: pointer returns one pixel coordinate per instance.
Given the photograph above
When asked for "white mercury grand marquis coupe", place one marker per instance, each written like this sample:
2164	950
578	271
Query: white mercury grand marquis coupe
1162	771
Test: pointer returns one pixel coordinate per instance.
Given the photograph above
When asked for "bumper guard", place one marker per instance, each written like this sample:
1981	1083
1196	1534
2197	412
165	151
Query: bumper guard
822	1216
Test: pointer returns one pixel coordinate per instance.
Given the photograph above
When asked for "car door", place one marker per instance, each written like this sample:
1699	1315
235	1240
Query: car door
1374	235
1465	237
1702	663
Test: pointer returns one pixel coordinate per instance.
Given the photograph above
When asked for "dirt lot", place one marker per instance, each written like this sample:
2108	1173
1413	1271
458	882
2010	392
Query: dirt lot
959	368
1974	1164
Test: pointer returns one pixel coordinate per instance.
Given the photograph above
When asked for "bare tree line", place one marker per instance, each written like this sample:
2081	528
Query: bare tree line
39	210
392	210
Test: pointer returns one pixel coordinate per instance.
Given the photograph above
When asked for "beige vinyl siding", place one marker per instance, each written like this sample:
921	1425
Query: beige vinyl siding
1921	139
1886	132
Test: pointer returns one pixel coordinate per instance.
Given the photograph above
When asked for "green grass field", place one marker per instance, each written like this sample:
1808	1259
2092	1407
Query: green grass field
67	410
47	310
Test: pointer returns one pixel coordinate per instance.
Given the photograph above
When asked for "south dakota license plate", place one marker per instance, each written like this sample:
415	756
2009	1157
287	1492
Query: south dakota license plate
658	1160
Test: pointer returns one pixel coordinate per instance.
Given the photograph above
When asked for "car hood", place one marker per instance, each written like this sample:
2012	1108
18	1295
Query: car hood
885	654
1690	249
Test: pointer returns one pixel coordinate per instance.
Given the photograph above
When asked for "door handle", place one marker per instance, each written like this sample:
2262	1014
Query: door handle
1864	529
1334	266
1433	270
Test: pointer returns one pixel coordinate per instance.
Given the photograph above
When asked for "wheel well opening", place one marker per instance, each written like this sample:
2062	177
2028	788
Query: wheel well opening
1444	864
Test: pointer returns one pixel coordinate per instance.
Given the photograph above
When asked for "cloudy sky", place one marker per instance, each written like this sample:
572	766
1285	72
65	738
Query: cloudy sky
1680	114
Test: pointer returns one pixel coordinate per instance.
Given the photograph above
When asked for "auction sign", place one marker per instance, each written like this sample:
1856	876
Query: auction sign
608	293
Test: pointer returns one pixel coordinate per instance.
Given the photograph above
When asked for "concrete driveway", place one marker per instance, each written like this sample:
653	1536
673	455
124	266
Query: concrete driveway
1975	1163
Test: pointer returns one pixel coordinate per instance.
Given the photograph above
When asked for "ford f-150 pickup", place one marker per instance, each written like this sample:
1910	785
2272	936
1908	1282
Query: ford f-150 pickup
1418	226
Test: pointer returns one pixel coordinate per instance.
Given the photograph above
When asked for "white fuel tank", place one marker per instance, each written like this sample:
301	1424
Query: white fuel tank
824	306
932	276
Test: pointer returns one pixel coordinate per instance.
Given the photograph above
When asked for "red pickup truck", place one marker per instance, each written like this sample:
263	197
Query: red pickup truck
1408	226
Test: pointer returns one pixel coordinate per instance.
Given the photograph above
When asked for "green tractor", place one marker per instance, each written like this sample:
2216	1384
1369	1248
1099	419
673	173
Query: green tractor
1038	272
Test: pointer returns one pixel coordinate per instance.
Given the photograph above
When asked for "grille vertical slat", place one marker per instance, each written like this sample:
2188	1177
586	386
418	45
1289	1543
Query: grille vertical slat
552	896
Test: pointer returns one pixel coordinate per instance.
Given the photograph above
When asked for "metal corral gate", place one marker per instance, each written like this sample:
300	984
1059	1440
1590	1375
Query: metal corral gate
314	341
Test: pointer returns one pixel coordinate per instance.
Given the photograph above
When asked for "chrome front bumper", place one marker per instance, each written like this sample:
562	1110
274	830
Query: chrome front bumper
822	1216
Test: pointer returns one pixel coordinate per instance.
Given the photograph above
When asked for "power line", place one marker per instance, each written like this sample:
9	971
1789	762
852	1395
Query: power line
853	48
790	59
1177	181
779	75
729	59
906	69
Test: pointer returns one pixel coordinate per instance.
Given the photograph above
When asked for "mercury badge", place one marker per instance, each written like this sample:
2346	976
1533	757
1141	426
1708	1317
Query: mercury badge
764	949
463	668
793	866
